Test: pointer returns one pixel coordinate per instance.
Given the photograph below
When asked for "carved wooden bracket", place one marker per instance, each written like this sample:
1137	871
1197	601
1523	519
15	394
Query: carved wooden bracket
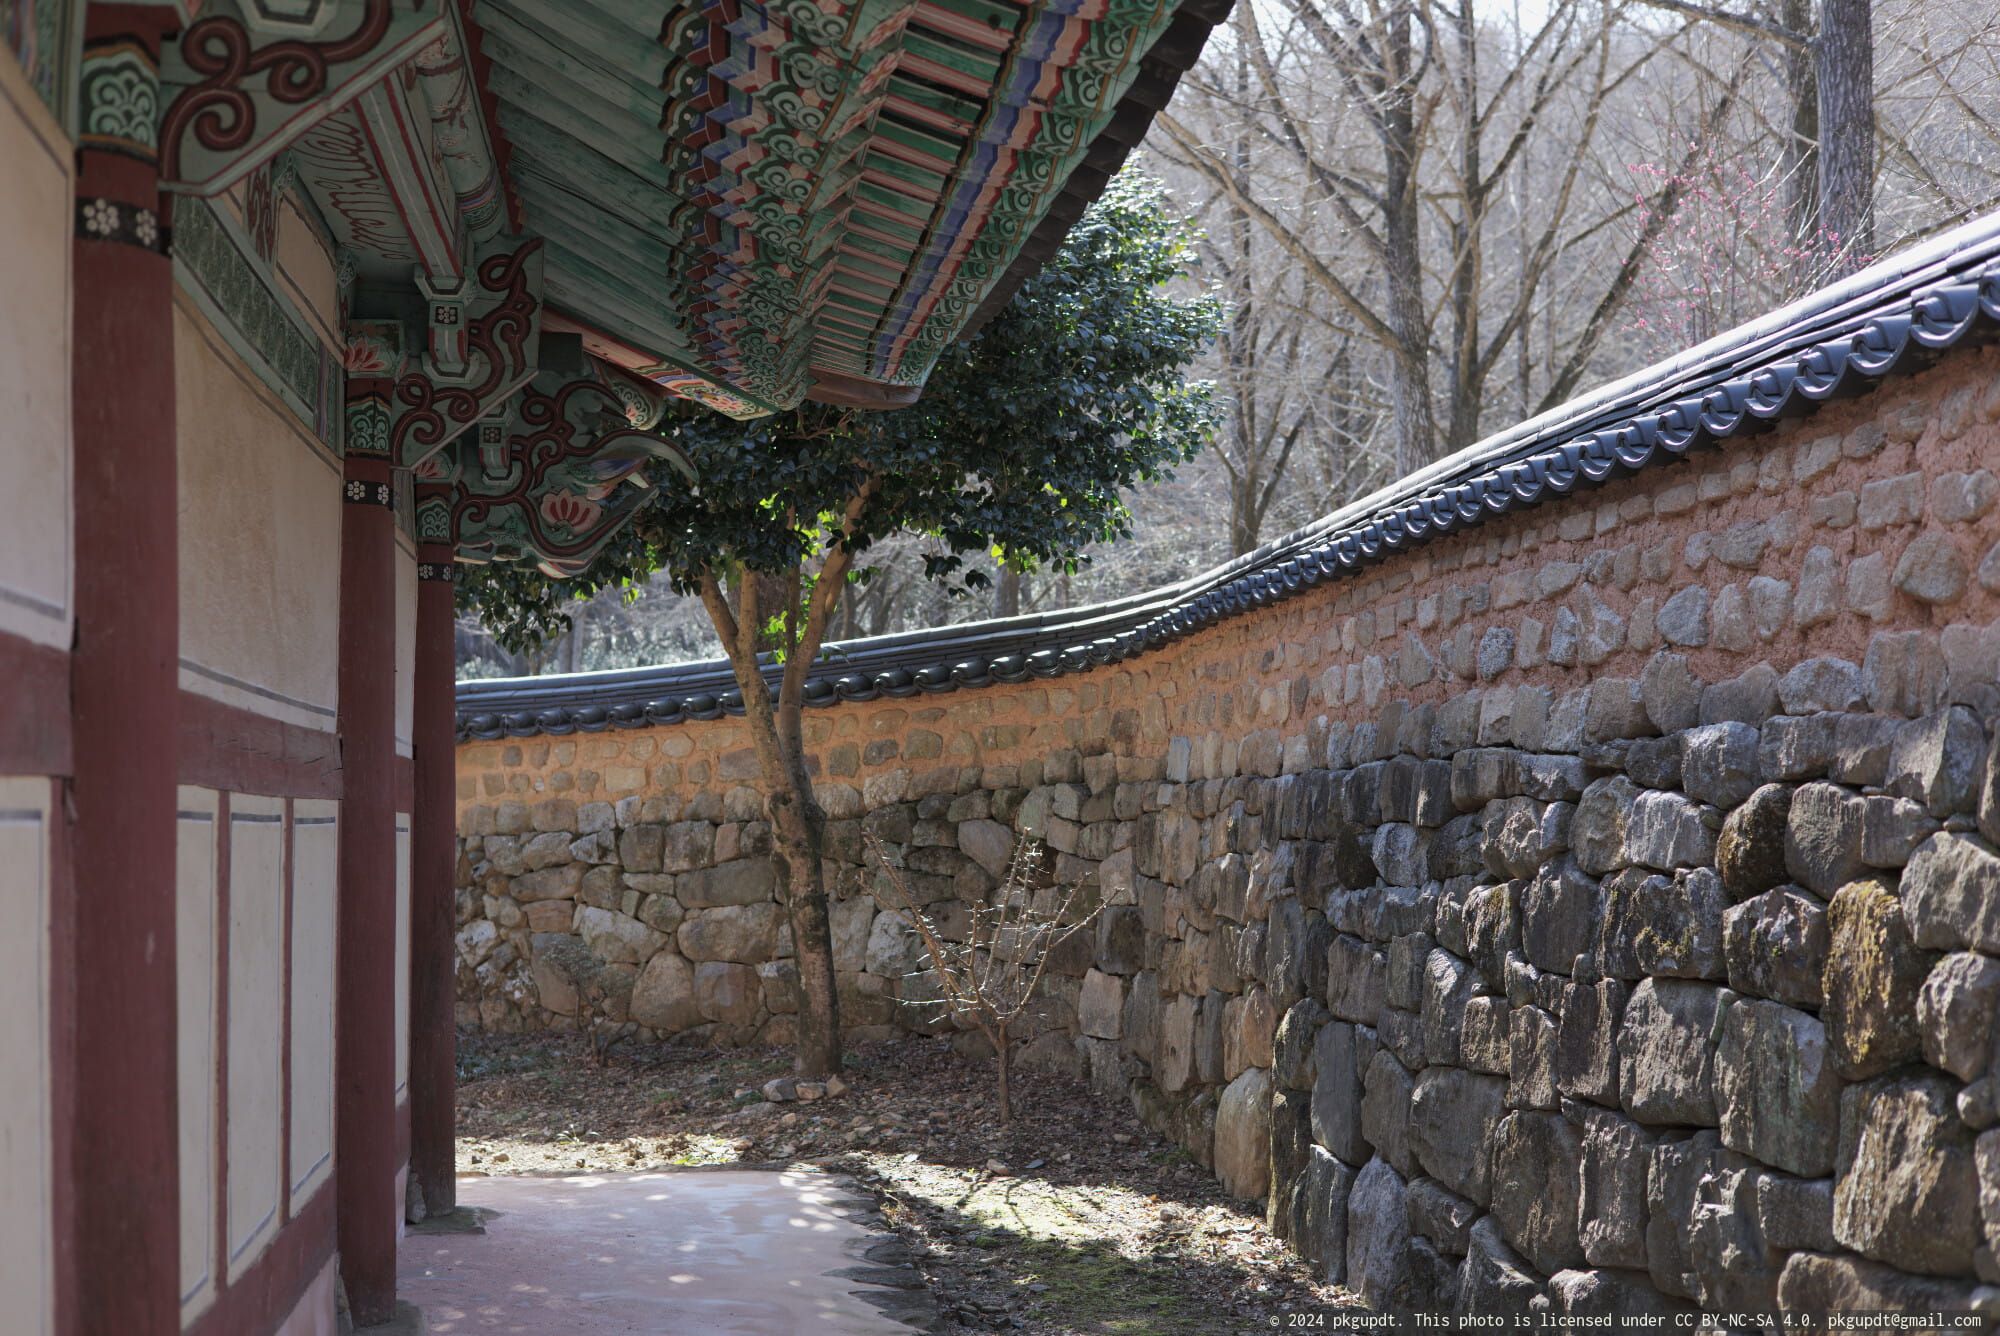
571	475
250	76
483	341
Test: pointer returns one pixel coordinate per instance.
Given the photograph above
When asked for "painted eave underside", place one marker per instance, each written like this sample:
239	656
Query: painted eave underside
1895	318
751	203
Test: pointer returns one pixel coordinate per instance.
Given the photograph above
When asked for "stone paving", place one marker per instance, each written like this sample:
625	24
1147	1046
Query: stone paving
691	1253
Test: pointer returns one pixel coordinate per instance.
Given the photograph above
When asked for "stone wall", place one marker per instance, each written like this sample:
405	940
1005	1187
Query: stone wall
1597	909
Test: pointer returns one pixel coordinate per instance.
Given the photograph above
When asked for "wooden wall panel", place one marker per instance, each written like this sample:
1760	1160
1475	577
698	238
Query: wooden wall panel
402	955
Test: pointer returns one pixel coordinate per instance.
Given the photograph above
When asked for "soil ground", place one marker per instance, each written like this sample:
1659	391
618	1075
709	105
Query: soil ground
1073	1221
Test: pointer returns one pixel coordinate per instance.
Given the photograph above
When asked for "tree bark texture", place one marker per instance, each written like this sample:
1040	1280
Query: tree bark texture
1845	55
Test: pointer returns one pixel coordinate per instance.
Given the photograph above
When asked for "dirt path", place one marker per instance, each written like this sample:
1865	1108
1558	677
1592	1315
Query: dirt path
1074	1220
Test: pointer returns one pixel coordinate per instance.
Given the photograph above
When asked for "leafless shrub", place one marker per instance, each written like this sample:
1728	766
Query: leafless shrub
990	978
596	986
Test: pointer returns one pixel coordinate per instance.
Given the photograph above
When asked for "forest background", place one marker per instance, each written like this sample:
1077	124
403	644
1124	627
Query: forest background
1431	219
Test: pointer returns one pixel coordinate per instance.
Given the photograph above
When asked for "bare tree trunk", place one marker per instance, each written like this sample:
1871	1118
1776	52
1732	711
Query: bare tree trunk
1845	53
1467	245
1801	158
1409	382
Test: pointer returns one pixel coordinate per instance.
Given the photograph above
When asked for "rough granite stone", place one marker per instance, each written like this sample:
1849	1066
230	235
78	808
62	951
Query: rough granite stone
1293	1065
1776	1089
1493	1281
1615	1158
1619	1300
1731	1266
1622	896
1906	1188
1666	1053
1795	747
1818	1282
1775	945
1938	760
1673	1192
1750	851
1670	692
1719	763
664	996
1931	569
1816	685
1385	1110
1586	1051
1341	1054
1319	1214
1290	1146
1484	1045
1796	1213
1861	746
1951	893
1559	914
1597	831
1750	697
1357	979
1955	1011
1667	831
1453	1114
1903	672
1683	618
1892	829
1441	1215
1677	925
1823	837
1242	1135
1378	1236
1535	1185
1873	975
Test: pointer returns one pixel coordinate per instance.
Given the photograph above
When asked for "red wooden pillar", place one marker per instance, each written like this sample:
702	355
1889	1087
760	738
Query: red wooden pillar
121	1257
433	862
365	1052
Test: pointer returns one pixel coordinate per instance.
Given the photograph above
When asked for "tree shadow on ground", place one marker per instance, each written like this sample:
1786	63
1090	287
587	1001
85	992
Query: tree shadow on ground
1074	1219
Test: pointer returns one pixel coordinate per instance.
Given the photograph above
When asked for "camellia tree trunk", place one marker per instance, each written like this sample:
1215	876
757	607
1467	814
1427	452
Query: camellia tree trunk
800	607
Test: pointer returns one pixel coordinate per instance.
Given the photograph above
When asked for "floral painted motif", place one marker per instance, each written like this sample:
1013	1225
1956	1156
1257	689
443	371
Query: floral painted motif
565	511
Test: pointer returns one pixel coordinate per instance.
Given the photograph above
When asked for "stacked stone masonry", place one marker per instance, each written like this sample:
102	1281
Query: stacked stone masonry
1598	911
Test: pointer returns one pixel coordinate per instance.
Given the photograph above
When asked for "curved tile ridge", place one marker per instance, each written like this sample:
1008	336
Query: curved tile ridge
1895	317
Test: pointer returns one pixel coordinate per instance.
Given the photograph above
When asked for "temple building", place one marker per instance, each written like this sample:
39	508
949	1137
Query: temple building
306	301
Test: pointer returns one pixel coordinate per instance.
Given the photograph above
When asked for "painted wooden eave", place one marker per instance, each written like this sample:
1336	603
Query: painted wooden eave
765	202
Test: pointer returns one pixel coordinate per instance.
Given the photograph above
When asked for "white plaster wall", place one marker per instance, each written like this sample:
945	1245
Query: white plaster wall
26	1264
36	203
259	539
305	271
406	644
256	1022
194	964
315	864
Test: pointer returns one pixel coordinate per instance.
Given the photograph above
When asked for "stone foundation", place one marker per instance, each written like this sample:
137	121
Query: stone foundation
1598	909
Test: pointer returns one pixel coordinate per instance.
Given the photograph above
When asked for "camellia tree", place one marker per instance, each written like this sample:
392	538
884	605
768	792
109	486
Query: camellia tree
1027	436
